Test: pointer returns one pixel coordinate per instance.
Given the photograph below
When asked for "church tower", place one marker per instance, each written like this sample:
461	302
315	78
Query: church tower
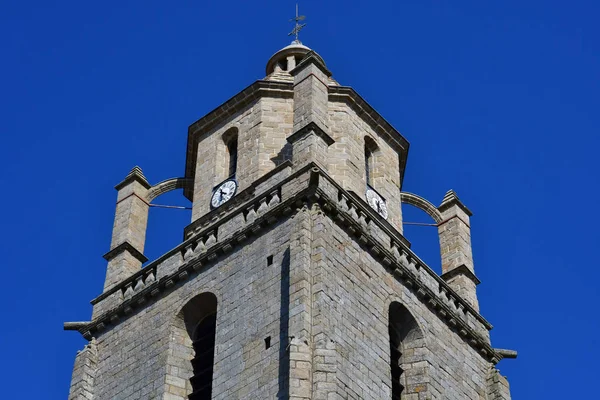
293	279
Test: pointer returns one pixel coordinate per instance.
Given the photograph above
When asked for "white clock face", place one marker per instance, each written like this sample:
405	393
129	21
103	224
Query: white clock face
377	203
223	193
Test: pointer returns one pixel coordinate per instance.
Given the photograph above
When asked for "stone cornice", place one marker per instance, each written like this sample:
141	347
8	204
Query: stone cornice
451	199
311	58
400	242
363	224
375	120
311	126
208	222
135	175
263	88
191	265
241	199
125	246
226	110
461	270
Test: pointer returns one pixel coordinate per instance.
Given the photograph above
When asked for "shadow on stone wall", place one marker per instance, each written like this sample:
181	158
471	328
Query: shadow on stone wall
284	360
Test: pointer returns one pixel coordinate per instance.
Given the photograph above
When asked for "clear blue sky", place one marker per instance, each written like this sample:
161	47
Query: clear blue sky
499	101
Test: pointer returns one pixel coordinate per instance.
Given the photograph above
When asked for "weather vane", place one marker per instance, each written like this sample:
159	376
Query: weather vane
298	26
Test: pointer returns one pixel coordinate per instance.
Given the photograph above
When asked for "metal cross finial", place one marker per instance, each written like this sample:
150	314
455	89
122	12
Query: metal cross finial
298	26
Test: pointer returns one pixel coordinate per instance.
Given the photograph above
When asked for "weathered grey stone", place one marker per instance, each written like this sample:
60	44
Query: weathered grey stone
309	283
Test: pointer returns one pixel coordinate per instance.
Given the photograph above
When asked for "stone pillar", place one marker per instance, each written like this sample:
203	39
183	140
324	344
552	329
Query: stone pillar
129	229
310	139
291	62
84	373
300	308
324	312
455	245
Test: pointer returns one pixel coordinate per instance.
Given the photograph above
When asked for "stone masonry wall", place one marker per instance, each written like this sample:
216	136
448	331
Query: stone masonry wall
324	301
133	355
337	299
262	131
211	144
347	164
276	126
354	293
498	388
84	373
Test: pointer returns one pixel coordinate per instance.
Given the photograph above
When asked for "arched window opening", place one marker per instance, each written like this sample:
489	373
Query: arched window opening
281	65
199	317
202	364
368	161
232	155
370	151
406	350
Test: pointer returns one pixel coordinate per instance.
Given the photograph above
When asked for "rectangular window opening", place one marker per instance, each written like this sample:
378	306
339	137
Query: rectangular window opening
267	342
269	260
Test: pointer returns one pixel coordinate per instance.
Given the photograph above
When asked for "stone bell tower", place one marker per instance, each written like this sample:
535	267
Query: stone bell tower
293	279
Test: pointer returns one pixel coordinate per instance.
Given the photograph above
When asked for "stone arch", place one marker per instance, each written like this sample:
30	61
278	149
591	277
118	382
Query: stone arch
183	370
227	154
409	366
423	204
373	162
167	186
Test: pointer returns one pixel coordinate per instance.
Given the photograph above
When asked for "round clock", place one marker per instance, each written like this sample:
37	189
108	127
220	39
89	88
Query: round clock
223	193
377	203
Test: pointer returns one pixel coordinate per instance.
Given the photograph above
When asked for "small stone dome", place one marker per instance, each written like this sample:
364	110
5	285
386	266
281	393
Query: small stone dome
287	58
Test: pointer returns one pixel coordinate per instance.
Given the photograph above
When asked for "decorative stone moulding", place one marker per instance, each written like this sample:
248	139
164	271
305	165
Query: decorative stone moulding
168	185
125	246
245	199
205	246
423	204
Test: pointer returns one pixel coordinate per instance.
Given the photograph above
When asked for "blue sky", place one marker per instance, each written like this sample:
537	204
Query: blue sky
499	101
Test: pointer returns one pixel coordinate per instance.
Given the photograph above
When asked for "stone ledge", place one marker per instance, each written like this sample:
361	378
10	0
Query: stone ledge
135	175
461	270
207	223
125	246
311	58
311	126
185	272
242	197
410	280
451	199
